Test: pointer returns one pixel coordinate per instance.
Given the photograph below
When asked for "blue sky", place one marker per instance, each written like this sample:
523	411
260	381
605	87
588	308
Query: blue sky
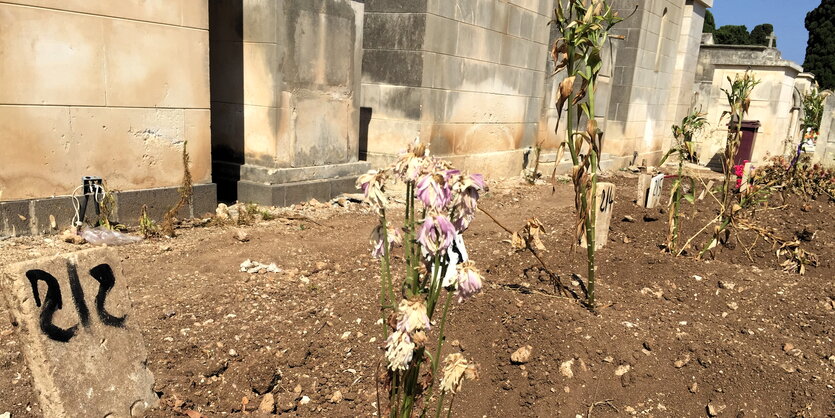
786	16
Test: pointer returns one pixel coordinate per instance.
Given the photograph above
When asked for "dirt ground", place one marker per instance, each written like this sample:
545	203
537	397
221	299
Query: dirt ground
672	335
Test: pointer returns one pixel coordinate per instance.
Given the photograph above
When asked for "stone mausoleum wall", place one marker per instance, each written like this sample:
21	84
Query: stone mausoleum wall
285	98
103	88
467	76
775	102
645	84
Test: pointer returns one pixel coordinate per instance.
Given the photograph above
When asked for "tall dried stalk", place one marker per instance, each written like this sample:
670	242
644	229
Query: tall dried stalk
584	27
693	123
185	191
739	100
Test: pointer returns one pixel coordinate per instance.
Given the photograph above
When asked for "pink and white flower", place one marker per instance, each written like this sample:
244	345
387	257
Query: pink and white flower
372	184
414	317
433	190
465	199
393	237
399	350
469	281
436	233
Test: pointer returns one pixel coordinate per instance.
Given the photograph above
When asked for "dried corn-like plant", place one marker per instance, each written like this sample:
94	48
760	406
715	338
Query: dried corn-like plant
584	28
739	100
683	186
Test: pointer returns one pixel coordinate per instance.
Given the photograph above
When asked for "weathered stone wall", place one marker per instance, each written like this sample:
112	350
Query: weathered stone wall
285	102
772	100
96	87
645	84
644	80
825	149
466	76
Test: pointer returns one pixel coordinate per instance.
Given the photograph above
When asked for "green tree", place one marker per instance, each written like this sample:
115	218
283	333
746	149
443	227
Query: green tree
732	35
759	35
820	50
710	23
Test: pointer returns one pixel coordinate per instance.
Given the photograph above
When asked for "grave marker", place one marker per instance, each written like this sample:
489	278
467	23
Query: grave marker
605	204
80	338
706	190
747	171
643	189
656	185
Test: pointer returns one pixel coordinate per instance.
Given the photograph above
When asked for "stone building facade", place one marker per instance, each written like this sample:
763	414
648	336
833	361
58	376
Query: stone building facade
285	98
102	88
775	101
466	76
281	101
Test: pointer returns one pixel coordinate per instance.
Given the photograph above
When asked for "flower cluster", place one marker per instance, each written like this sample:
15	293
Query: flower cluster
441	203
409	333
468	281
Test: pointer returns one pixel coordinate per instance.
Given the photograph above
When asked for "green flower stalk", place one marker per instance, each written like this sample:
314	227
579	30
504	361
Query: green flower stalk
683	149
440	205
584	27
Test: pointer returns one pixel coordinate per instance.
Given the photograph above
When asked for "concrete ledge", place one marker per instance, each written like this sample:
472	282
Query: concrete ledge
31	217
286	186
290	193
491	164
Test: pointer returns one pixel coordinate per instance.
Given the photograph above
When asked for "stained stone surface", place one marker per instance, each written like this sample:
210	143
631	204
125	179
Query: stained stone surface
603	217
80	338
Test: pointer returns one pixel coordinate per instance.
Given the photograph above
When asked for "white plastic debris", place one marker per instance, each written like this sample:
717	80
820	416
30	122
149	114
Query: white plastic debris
253	267
101	236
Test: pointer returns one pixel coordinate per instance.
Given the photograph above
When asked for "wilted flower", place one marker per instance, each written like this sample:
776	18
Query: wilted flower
399	350
409	166
465	199
436	233
414	316
456	368
469	281
393	236
372	184
433	190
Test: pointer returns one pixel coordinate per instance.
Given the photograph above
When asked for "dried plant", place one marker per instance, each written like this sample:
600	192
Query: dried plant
683	187
795	259
185	192
584	28
739	100
437	268
106	206
147	226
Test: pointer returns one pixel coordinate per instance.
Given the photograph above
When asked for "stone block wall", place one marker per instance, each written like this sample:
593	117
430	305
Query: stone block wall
772	101
645	84
825	149
285	95
638	115
95	87
466	76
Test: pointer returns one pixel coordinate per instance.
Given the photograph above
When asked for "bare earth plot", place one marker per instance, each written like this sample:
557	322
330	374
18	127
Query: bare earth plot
672	337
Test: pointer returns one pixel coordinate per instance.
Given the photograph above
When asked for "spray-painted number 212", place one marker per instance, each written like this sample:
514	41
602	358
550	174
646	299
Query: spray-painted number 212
52	301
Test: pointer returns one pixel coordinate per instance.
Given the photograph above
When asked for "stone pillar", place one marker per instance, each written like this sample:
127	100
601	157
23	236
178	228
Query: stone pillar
285	84
466	76
825	149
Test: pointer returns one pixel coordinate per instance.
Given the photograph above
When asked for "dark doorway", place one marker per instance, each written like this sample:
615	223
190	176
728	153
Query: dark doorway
226	87
365	120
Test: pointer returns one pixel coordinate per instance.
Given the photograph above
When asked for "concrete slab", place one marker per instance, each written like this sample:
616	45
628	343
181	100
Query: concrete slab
80	337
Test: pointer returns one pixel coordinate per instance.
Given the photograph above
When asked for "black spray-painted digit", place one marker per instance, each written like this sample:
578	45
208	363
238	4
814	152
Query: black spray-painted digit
51	303
104	275
78	295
